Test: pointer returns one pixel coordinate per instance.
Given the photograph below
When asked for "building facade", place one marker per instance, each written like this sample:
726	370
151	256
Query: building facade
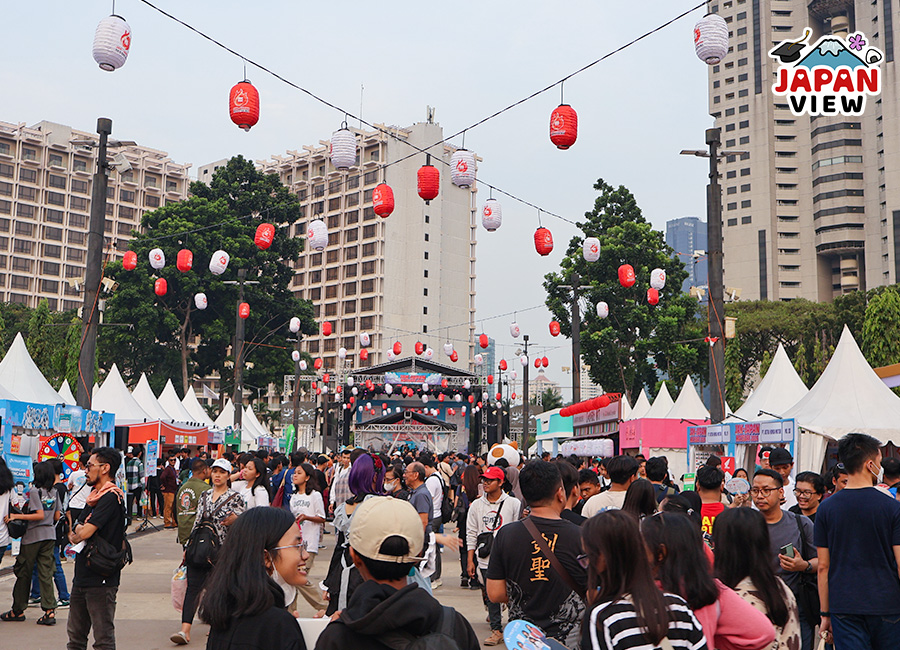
46	173
409	277
687	235
811	207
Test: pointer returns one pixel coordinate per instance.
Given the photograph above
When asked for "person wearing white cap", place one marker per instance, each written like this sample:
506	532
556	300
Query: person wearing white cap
386	541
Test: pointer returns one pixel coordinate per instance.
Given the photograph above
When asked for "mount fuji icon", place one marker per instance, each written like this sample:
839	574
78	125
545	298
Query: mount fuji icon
831	53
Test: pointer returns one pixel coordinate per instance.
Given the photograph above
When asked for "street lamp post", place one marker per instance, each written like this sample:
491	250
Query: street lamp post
238	397
525	397
575	288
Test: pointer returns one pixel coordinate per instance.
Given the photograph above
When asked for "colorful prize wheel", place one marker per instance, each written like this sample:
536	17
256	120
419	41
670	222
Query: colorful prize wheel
64	447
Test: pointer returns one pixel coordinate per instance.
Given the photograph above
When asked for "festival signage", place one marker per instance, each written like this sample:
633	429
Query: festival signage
431	378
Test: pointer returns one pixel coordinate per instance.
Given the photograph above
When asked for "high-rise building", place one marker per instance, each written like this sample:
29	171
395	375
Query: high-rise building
589	390
687	235
407	278
812	208
490	357
46	172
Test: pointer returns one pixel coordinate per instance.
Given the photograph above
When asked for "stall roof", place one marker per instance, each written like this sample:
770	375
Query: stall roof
225	418
688	406
661	405
22	380
192	405
779	390
145	398
168	399
849	398
66	393
640	408
252	424
113	396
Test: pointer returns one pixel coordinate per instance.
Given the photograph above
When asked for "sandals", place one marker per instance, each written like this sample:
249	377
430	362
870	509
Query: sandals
49	618
12	616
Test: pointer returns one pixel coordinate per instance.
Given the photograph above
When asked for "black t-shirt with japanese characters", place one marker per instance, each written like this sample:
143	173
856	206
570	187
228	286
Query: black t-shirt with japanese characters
536	593
108	515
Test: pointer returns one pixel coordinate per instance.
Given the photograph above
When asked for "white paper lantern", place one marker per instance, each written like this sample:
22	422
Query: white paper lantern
295	324
499	405
295	356
424	399
523	360
317	234
448	349
303	364
591	249
514	330
429	354
491	215
711	39
463	410
112	42
200	300
602	309
218	263
364	339
343	148
397	409
390	355
479	359
388	389
513	374
457	397
354	390
350	380
424	388
368	406
157	258
462	168
342	354
467	384
657	279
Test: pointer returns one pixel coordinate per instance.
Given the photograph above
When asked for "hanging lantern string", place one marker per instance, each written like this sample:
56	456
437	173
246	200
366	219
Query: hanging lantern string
388	132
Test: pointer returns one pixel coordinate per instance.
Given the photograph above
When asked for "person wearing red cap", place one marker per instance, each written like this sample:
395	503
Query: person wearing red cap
487	514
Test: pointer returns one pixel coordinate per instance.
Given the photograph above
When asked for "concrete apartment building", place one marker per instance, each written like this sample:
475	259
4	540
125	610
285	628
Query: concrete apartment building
407	278
687	235
812	210
45	204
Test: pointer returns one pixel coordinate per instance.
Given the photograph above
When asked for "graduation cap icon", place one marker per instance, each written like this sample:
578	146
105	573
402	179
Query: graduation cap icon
789	51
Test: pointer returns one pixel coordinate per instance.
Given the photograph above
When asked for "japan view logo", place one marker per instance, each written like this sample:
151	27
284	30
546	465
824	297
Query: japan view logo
832	77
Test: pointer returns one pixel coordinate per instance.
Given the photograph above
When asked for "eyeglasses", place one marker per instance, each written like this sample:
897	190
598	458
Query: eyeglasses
804	493
762	491
301	546
91	465
583	561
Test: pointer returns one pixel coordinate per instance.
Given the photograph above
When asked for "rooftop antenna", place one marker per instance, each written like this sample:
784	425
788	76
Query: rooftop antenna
430	114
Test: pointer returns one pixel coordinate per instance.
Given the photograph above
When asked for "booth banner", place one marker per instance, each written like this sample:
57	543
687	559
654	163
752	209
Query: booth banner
216	437
21	468
595	447
185	439
606	414
232	436
152	457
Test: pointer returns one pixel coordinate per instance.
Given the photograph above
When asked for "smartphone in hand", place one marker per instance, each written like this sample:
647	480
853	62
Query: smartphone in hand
788	550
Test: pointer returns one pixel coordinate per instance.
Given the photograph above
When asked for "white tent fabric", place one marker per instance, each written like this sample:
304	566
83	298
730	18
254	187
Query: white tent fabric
22	380
168	398
626	409
641	406
688	406
225	418
192	405
848	398
778	391
661	405
250	422
144	396
114	397
66	393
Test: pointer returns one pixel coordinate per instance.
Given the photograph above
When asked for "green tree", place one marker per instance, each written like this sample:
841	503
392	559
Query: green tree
881	328
626	350
223	215
550	399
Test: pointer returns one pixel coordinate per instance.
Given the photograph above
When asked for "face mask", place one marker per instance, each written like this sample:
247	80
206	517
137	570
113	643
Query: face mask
879	477
390	487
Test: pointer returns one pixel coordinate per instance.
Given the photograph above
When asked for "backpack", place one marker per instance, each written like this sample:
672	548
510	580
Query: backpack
446	504
440	640
202	548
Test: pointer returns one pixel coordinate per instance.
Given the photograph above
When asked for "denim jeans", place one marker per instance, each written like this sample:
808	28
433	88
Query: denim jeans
865	632
494	613
59	578
92	607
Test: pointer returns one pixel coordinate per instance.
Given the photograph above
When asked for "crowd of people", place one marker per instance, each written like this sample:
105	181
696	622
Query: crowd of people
601	554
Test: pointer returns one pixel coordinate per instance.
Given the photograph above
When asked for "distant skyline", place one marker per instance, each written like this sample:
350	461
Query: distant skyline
636	110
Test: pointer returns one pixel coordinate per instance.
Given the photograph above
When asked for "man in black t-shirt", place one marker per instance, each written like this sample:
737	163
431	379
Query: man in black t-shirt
520	574
93	599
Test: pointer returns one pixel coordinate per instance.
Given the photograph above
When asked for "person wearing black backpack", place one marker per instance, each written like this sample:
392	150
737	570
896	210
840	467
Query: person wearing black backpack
385	613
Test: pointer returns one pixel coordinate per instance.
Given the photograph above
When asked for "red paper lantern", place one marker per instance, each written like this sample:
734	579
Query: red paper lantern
243	105
537	363
326	328
352	399
603	401
543	241
420	348
383	200
626	275
545	362
499	397
317	364
184	261
652	296
160	287
483	341
129	262
369	384
441	397
397	348
490	379
514	396
244	310
563	126
471	399
554	328
454	357
363	354
265	234
444	383
503	364
429	179
326	377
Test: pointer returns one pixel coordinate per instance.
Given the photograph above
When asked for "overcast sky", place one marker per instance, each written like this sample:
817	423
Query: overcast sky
636	110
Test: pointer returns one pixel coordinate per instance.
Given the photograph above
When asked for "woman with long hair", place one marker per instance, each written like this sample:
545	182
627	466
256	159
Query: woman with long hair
243	602
640	499
741	537
254	490
308	508
7	483
465	495
675	548
44	509
625	607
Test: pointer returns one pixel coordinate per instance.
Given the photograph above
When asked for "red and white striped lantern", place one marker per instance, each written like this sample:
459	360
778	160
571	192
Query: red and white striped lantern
243	105
563	126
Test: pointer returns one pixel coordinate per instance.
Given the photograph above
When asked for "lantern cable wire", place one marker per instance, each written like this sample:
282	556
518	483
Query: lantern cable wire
425	150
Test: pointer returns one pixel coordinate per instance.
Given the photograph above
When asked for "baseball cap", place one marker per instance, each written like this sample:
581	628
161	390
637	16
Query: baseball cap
780	456
378	518
130	449
222	463
494	472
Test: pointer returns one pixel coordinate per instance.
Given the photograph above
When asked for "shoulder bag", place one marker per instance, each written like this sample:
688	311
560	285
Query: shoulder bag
807	591
17	527
103	558
554	561
485	540
278	499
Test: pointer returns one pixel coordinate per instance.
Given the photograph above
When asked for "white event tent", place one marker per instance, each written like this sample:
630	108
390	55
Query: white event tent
145	398
66	393
225	418
779	390
661	405
688	406
113	396
168	399
20	378
848	398
640	408
252	426
195	409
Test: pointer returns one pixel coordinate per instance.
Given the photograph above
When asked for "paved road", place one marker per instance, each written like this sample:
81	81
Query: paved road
145	617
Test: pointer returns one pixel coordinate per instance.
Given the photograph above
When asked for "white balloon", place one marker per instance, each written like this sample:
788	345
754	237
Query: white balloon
302	364
295	356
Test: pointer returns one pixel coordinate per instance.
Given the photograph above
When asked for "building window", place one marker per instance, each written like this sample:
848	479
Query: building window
23	246
50	268
51	250
25	211
55	234
367	286
126	195
367	304
21	264
349	306
368	250
24	228
53	216
331	292
368	268
58	182
151	200
745	220
370	177
732	221
56	198
79	165
351	253
78	203
27	193
369	231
